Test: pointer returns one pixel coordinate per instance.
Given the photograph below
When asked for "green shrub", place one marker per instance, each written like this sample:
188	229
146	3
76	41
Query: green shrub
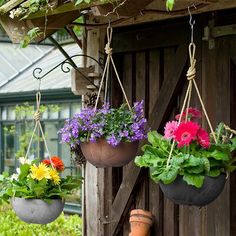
11	225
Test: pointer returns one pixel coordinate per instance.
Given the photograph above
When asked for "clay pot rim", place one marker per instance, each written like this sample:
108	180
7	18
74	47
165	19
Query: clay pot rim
140	219
141	212
103	140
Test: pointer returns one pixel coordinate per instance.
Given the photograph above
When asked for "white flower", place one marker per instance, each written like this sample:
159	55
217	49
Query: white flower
12	14
14	177
24	160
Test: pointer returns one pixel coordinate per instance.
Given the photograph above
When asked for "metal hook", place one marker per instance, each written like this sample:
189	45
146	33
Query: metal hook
191	21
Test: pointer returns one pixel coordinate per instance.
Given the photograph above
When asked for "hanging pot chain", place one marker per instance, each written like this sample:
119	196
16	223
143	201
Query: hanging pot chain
109	60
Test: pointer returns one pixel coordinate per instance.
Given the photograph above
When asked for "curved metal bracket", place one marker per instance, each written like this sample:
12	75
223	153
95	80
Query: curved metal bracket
66	66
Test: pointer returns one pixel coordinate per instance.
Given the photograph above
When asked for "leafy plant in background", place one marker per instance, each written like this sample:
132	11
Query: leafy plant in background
115	125
30	36
65	225
38	180
2	2
24	114
194	154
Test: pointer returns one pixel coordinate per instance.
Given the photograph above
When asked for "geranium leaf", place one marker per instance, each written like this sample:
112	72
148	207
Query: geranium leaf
195	180
153	138
214	173
220	155
168	175
206	164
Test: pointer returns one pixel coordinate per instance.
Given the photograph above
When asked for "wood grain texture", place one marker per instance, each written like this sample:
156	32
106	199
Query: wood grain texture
217	97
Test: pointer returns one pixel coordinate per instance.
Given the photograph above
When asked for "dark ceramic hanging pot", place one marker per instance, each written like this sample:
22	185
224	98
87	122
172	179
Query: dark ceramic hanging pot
182	193
102	154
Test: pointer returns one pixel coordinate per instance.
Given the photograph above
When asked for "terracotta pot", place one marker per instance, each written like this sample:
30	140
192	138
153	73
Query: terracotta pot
140	222
37	211
182	193
102	154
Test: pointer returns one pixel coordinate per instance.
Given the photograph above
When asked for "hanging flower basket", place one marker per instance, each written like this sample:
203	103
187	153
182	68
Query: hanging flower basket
108	136
182	193
102	154
37	190
113	134
189	163
37	211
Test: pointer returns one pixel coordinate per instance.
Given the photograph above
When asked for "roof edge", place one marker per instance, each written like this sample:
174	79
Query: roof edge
47	95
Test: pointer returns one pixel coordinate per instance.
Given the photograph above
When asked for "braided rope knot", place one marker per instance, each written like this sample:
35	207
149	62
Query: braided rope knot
191	71
108	49
37	115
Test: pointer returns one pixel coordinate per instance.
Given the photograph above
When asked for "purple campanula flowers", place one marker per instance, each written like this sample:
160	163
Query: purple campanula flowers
113	124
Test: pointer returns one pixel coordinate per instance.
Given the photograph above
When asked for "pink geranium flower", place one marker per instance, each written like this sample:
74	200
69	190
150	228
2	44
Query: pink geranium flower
185	133
170	128
203	138
193	113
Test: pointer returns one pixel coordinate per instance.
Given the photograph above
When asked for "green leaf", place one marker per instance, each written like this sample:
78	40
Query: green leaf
195	170
168	175
24	171
169	4
220	155
233	146
195	180
193	161
206	164
214	173
153	138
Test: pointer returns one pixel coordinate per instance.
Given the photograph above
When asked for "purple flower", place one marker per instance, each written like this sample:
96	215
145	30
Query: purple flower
113	124
112	140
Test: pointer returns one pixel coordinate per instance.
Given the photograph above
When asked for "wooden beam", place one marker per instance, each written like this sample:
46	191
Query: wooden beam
161	107
149	37
157	14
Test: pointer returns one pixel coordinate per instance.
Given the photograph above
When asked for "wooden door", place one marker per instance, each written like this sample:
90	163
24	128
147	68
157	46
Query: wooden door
152	61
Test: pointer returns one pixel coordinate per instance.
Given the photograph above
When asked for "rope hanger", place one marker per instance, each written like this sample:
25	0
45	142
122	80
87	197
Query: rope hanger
191	75
109	61
37	117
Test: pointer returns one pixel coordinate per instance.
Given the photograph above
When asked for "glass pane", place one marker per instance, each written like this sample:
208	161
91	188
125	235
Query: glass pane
8	148
4	113
53	111
76	108
65	154
23	134
11	113
65	111
75	197
45	114
51	129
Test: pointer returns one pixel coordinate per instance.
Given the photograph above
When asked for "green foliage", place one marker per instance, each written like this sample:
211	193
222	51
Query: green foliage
193	163
12	226
25	114
2	2
30	36
23	185
170	4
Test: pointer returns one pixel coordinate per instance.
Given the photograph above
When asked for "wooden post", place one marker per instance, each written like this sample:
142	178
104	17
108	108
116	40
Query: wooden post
94	178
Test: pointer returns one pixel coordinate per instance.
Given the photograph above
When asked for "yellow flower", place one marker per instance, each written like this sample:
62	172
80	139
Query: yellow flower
55	176
40	172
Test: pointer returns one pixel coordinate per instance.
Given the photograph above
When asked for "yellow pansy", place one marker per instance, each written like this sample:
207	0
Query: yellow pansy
55	176
40	172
